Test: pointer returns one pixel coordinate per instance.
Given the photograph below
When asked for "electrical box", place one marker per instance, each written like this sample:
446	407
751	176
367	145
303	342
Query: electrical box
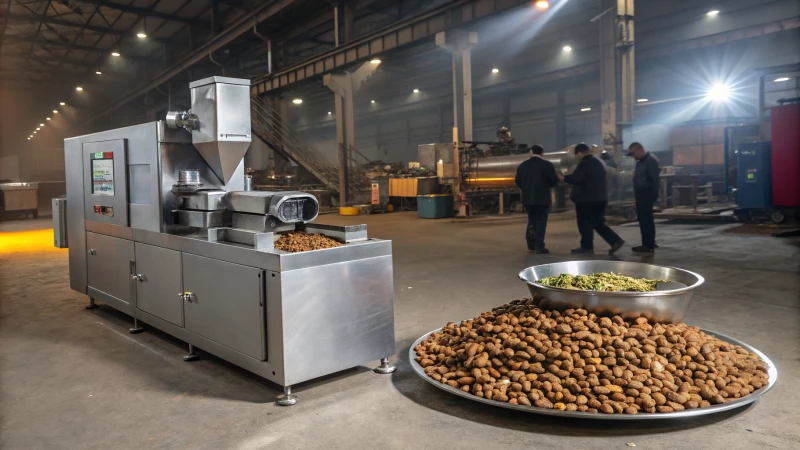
754	164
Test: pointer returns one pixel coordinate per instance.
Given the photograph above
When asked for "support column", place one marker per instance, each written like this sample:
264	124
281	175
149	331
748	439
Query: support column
343	87
561	120
617	73
460	43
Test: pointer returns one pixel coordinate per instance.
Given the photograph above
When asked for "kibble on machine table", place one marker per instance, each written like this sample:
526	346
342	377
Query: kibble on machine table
160	227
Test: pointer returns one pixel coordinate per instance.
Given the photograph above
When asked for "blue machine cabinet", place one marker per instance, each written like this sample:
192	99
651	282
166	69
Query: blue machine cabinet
754	167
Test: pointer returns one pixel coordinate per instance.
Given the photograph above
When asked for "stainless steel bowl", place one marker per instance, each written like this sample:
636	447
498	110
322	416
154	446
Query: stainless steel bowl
667	304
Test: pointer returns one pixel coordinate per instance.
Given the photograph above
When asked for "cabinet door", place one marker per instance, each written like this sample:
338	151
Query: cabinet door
160	283
109	266
226	303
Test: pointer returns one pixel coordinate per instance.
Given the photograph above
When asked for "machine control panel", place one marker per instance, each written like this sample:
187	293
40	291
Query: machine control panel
104	210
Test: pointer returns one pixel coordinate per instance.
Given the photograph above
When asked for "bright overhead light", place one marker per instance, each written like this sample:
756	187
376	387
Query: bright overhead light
78	88
63	104
29	139
37	130
372	101
55	111
585	109
712	13
47	118
141	35
719	92
642	100
41	124
114	53
98	72
778	80
297	101
329	113
542	4
375	61
567	48
416	91
495	70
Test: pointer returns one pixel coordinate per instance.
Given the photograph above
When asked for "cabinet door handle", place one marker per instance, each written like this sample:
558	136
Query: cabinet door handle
92	251
186	296
137	277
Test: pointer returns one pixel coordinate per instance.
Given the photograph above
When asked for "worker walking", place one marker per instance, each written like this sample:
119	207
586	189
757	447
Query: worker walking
590	198
535	179
646	182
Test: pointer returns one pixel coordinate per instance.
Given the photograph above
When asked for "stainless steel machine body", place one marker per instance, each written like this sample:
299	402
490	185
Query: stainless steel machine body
195	266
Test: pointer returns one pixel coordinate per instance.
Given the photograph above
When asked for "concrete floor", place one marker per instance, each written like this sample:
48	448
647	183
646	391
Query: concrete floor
71	378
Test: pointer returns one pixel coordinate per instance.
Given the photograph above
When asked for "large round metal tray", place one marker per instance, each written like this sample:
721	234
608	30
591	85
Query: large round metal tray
668	304
773	377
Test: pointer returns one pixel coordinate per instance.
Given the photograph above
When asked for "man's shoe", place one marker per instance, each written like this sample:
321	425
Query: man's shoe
542	251
580	251
642	249
617	245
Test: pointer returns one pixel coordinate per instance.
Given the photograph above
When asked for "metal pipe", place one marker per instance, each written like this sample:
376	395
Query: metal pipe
227	35
267	41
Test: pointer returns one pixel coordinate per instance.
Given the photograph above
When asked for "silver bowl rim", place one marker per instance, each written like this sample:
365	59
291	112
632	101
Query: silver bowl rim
772	372
683	290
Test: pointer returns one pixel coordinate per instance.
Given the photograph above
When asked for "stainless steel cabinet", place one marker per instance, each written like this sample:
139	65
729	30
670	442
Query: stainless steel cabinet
226	303
109	262
158	273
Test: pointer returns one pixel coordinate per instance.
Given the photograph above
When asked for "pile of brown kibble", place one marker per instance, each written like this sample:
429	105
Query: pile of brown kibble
300	241
576	361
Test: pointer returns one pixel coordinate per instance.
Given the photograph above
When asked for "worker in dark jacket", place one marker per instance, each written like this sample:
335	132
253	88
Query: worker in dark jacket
535	179
590	198
646	182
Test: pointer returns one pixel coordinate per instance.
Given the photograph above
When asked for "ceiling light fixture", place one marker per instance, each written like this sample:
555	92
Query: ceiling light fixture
47	118
114	53
642	100
29	139
712	13
567	48
585	109
495	70
372	101
542	4
297	101
98	72
719	92
41	124
38	129
416	91
63	104
78	88
375	61
778	80
329	113
55	111
141	35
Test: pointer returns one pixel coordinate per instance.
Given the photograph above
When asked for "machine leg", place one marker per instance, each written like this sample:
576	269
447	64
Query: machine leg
91	304
191	356
287	399
136	328
385	368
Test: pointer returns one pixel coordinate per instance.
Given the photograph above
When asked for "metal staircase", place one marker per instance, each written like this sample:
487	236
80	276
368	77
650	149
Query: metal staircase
267	125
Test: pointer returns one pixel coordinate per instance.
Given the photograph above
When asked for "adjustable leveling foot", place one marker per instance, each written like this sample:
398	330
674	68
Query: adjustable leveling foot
136	328
385	368
191	356
288	399
91	304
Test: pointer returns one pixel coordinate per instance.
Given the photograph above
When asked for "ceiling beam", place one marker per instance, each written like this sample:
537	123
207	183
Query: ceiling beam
52	20
58	44
139	11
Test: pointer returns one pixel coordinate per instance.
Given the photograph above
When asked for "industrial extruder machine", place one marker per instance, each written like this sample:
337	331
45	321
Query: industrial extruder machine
161	225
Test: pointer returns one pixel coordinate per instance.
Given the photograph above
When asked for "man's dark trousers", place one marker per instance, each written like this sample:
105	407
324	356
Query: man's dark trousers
537	226
647	225
591	218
